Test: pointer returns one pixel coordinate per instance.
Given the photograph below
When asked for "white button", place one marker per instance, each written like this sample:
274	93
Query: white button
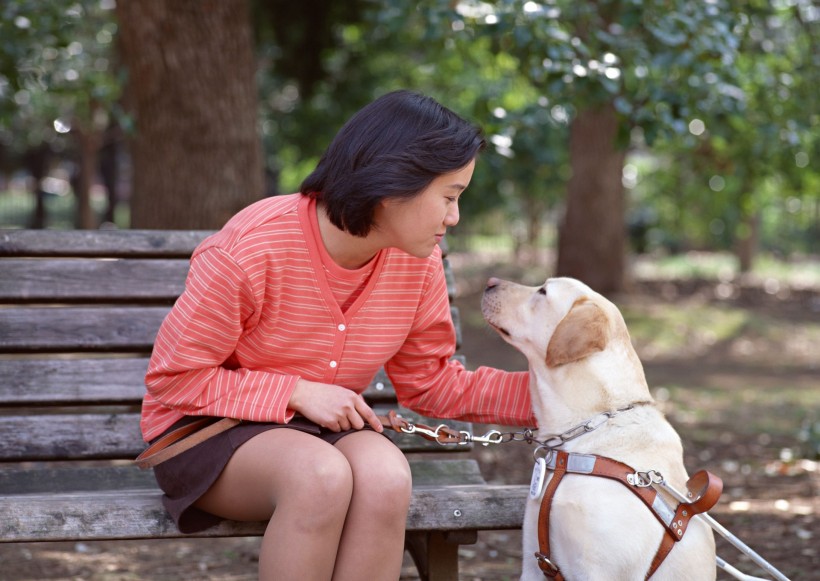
342	327
333	364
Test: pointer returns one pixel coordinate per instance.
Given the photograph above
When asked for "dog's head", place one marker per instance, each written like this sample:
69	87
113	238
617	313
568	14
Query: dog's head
559	322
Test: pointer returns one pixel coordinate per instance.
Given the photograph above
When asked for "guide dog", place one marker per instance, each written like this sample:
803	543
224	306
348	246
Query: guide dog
584	371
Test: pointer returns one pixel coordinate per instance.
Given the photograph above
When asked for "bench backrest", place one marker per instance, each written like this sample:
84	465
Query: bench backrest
79	311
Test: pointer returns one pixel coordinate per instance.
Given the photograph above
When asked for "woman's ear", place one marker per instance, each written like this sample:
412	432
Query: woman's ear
582	332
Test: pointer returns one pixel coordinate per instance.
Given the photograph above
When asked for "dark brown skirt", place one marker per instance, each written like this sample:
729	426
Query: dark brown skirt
186	477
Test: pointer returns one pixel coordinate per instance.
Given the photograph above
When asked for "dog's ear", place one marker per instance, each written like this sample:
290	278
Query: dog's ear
582	332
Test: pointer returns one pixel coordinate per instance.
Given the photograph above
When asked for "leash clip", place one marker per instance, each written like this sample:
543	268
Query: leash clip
491	437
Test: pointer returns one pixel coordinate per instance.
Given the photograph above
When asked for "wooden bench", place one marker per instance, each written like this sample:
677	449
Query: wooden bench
79	311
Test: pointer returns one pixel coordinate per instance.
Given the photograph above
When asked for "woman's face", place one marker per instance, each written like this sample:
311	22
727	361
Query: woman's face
418	224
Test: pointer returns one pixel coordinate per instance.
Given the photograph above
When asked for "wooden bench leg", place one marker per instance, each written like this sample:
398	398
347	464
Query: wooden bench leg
436	553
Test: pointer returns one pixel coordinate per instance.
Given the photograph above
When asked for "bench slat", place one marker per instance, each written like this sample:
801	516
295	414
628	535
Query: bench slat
114	280
50	329
46	478
99	436
100	243
80	329
100	381
60	382
138	514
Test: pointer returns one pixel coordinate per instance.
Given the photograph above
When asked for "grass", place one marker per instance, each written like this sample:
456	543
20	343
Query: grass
722	266
17	208
664	330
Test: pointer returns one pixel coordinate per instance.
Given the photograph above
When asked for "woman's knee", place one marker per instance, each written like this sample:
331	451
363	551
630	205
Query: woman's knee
386	492
385	486
323	476
280	470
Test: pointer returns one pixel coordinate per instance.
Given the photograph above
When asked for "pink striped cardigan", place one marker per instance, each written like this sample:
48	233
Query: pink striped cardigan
257	314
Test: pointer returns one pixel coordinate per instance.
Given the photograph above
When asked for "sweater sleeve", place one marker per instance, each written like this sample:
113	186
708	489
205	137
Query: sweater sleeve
190	369
429	382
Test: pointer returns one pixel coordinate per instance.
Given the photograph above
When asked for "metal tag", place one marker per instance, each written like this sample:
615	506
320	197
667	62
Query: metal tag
537	481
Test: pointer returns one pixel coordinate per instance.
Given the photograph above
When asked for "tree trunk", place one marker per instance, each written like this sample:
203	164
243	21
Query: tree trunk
591	241
747	242
196	154
88	144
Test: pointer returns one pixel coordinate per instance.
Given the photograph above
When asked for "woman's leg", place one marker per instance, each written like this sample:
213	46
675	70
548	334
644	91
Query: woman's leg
372	544
309	483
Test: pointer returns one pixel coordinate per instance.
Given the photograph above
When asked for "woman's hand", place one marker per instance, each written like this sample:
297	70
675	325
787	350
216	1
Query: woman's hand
332	407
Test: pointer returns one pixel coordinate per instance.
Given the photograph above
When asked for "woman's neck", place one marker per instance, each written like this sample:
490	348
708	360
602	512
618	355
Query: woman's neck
346	250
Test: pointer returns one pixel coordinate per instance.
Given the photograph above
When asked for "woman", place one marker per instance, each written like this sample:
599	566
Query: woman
288	313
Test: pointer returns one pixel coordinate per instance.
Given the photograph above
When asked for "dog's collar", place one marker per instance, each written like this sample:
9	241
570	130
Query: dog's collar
593	423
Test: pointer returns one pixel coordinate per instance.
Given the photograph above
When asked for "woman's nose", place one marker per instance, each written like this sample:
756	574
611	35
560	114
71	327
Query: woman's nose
451	219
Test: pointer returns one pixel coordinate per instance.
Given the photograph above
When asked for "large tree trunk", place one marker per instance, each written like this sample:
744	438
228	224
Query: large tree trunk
196	153
591	239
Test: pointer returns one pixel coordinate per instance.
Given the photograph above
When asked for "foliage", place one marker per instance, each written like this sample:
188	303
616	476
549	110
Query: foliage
706	184
717	98
57	70
636	53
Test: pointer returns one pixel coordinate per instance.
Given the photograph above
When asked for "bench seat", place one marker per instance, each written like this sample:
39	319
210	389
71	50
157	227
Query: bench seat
79	311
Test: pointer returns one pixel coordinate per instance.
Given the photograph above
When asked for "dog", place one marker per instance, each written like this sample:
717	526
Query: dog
583	366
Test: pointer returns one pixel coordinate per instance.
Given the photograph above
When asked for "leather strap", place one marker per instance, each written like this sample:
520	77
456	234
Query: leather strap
186	437
675	521
182	439
548	568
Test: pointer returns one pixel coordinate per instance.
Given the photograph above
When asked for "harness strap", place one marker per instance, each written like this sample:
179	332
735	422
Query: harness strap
674	520
548	568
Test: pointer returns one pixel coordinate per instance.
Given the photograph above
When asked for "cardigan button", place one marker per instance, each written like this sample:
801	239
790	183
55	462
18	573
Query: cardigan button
341	327
333	364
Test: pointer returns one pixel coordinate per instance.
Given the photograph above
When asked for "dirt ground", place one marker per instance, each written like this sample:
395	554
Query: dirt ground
747	407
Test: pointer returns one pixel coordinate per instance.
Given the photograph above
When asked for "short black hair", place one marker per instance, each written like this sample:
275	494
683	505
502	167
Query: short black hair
392	148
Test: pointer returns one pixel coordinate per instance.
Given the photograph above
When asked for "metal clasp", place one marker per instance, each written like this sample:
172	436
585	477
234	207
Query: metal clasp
547	567
644	479
491	437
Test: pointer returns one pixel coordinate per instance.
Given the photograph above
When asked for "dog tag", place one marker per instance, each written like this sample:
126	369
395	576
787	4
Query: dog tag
537	481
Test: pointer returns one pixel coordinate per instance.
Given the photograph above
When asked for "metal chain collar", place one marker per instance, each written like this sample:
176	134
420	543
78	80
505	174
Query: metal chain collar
584	427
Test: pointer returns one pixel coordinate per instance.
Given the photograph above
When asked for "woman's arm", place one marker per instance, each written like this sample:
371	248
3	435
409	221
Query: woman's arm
429	382
190	369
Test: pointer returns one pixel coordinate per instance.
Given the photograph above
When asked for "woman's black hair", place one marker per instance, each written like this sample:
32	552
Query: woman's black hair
392	148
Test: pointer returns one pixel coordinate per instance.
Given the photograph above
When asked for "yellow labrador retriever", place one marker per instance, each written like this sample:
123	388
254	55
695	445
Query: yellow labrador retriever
591	400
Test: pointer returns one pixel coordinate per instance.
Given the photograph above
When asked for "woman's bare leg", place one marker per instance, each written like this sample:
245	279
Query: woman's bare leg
372	544
308	482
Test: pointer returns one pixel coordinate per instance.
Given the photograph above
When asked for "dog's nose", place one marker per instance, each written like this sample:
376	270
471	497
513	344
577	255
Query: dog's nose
493	282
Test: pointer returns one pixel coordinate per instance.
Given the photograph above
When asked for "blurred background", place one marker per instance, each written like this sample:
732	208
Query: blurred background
663	151
617	128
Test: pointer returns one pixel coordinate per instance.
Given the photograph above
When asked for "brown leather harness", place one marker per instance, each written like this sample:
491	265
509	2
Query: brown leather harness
674	520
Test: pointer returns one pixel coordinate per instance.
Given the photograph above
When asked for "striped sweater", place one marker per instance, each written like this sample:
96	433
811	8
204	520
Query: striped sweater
258	313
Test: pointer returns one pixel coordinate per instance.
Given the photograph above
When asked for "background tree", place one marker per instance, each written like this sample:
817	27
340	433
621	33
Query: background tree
58	90
726	170
611	66
196	154
691	88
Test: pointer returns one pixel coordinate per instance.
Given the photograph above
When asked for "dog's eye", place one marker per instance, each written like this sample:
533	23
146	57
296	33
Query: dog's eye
542	291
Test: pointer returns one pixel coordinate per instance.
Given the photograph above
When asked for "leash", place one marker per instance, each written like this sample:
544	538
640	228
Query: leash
186	437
